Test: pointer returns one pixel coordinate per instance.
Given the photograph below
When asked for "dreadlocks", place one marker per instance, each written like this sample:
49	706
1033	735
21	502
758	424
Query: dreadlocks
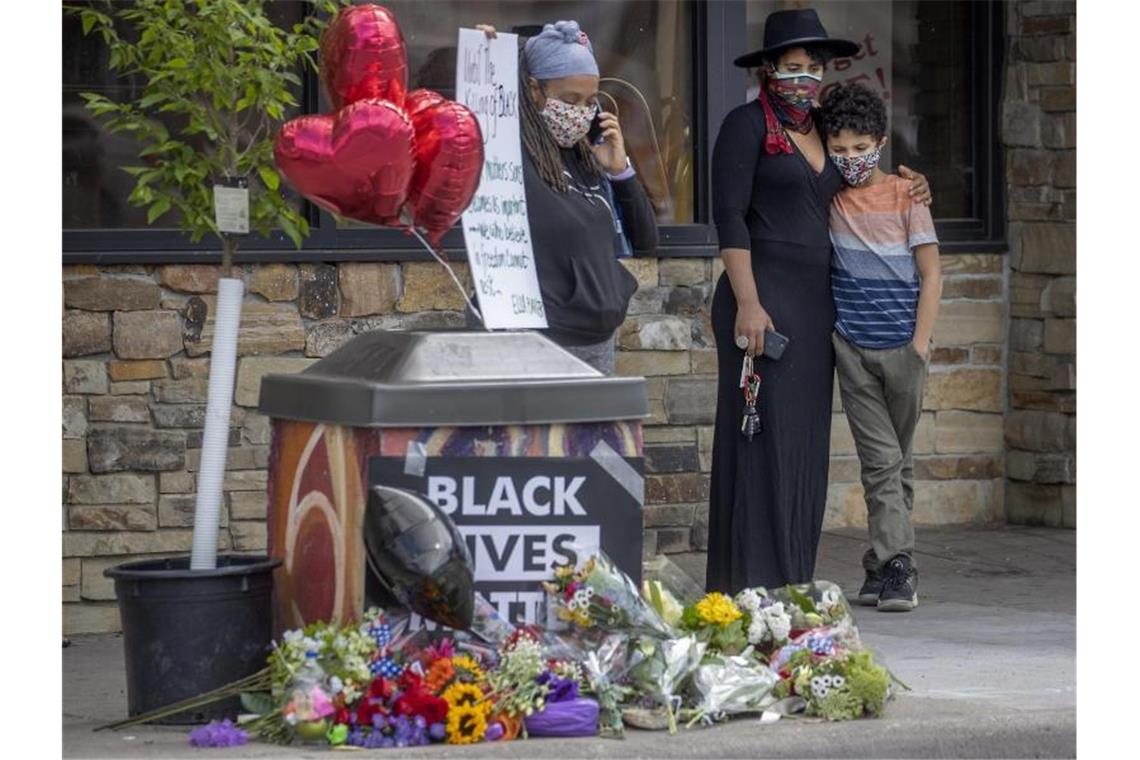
540	144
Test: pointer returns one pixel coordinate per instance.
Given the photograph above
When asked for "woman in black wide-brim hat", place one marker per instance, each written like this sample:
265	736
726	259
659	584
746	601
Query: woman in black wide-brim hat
772	185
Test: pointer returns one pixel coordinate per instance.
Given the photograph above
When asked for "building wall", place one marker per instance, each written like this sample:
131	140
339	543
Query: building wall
1039	129
996	439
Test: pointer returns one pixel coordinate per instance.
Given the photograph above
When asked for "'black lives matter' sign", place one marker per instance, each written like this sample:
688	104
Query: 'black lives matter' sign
521	516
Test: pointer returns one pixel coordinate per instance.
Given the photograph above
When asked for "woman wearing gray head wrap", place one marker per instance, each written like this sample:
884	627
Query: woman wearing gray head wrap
584	201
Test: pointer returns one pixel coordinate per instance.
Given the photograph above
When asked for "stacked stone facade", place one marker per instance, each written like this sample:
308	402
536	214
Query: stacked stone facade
1039	131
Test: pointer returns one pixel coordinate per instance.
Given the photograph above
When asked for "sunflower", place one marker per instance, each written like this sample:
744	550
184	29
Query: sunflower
466	725
468	667
466	695
439	674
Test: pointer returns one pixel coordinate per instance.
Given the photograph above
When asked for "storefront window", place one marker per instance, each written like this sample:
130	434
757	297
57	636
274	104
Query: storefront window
95	188
644	51
917	56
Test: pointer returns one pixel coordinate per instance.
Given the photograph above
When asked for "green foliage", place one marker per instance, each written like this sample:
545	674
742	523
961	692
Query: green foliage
224	76
839	704
869	682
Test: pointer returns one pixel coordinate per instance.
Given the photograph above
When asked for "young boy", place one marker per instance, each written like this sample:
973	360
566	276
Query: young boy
886	282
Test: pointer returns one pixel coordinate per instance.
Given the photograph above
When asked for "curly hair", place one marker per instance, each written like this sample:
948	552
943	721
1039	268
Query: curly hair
853	107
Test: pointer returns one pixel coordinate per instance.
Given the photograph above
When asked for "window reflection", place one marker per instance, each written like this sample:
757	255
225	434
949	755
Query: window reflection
916	55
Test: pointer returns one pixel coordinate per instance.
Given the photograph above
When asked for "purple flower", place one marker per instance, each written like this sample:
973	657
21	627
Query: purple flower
215	734
356	737
437	732
562	690
374	740
543	678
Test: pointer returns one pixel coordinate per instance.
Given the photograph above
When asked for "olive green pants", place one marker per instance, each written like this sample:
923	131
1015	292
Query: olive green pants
882	397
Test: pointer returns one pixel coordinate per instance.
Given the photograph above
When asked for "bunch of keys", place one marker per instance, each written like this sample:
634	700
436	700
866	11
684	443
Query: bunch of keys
750	382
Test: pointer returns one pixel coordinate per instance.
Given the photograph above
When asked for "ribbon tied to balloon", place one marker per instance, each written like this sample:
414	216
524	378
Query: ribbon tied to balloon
385	156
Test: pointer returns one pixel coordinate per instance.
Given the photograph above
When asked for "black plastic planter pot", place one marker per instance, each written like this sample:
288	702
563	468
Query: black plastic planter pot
187	632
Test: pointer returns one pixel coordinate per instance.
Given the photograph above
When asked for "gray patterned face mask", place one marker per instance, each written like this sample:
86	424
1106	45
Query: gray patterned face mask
567	123
856	169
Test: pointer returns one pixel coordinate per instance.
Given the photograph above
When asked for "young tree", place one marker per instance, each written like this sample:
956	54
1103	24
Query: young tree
215	80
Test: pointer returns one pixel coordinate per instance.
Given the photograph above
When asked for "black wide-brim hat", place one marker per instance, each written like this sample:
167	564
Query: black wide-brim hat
795	28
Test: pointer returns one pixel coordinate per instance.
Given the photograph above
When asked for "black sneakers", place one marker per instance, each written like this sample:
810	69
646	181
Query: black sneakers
900	586
872	587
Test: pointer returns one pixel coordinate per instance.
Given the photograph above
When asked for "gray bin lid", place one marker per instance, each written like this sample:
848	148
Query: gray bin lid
429	378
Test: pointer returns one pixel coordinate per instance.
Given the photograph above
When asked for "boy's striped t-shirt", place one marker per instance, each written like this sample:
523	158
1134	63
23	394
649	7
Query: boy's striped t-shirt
874	281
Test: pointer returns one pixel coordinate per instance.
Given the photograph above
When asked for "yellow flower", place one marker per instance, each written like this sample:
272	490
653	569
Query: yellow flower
564	571
465	725
470	667
718	608
466	696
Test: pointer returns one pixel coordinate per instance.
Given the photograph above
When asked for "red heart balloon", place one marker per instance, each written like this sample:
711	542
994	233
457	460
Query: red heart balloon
449	161
362	56
357	162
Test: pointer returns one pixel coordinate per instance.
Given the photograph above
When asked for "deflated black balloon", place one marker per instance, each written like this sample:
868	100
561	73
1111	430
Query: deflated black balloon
417	553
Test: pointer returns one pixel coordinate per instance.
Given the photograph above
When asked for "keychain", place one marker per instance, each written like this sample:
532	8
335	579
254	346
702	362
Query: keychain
750	382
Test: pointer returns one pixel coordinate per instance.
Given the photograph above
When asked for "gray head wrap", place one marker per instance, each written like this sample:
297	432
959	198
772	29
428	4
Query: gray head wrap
561	50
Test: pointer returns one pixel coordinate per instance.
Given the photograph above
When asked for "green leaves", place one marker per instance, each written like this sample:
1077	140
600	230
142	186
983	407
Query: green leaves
214	79
260	703
802	601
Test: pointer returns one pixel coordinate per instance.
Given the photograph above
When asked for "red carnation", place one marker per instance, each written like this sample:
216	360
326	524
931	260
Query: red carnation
419	701
381	688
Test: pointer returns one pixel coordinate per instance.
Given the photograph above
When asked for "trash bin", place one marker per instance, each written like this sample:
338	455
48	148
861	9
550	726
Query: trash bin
533	453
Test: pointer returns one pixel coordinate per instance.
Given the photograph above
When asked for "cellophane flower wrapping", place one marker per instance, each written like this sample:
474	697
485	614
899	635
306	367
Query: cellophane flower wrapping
659	668
724	686
604	662
667	588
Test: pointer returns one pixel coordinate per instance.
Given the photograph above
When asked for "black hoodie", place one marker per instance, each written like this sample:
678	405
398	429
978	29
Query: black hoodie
585	290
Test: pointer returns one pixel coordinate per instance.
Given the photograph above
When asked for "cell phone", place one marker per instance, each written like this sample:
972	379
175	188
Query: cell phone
774	344
594	136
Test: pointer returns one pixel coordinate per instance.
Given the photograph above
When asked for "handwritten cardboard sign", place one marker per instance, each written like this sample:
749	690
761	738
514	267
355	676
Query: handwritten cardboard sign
495	226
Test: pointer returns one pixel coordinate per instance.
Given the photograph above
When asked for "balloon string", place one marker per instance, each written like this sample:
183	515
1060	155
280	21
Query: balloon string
450	272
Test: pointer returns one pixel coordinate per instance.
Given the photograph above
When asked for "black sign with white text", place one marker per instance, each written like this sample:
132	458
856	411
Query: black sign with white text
521	516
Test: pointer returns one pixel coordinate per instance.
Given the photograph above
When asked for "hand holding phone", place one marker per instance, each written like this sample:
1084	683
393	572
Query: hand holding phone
595	136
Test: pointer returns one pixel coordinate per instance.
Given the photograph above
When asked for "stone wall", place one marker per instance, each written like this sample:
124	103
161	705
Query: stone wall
136	343
1039	130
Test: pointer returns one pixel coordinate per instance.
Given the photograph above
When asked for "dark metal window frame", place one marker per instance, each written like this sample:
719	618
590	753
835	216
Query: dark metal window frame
719	37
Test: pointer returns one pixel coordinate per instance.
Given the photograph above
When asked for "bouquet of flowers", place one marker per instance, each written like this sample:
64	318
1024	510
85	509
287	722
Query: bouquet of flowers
603	664
717	622
659	667
813	605
768	623
599	595
731	685
838	686
667	588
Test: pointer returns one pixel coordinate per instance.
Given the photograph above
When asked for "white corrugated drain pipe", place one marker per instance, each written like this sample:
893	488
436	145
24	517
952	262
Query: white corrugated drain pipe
215	440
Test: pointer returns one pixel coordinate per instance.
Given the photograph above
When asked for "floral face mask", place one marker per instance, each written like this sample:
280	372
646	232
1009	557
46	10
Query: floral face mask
857	169
567	123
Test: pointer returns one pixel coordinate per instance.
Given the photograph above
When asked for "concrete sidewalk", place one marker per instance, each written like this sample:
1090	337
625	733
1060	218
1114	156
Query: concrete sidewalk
990	655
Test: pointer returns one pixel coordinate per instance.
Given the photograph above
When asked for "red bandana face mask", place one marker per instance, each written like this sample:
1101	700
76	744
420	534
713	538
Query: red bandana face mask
787	100
798	89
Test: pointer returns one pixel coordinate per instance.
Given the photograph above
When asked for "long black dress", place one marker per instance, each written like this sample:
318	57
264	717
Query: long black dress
767	496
